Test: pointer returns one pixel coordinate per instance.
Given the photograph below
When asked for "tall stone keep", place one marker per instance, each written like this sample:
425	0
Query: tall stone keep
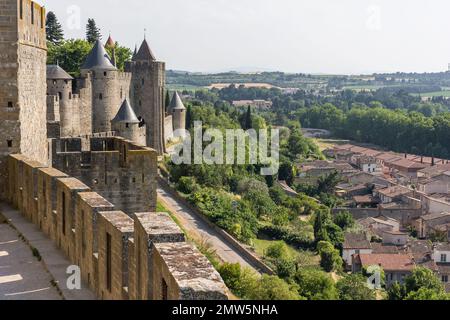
147	94
23	55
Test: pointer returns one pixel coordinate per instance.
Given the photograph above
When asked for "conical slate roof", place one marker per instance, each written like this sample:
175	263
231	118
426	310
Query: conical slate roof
126	114
176	103
145	53
98	59
55	72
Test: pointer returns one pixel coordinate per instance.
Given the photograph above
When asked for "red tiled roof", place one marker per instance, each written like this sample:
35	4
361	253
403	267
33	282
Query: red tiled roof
388	261
371	152
394	191
407	164
388	156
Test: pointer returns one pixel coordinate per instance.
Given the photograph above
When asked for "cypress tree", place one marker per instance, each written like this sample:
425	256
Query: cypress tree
188	117
167	101
92	32
53	28
248	119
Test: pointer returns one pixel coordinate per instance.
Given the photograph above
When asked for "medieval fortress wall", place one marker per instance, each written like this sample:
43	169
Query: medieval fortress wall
138	256
89	188
22	82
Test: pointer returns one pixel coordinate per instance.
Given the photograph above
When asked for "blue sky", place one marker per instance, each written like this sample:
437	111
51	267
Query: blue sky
311	36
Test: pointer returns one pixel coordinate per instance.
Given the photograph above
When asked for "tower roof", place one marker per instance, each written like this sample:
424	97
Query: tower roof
126	114
55	72
145	53
98	59
110	42
176	103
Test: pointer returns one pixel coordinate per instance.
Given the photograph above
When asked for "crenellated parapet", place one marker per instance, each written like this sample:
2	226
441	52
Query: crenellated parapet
121	256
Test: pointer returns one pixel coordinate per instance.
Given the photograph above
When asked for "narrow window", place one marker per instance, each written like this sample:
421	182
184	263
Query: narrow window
83	234
10	104
445	278
143	81
32	12
443	258
127	125
10	144
104	73
21	9
70	95
63	213
60	95
100	96
164	290
42	17
108	262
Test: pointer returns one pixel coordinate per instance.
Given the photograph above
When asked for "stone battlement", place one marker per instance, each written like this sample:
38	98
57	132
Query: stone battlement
144	257
117	169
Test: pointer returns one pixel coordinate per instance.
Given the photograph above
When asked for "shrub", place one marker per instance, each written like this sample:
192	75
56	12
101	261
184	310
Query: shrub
187	185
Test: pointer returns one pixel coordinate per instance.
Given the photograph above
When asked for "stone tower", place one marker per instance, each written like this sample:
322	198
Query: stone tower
128	126
106	90
23	55
147	94
178	111
59	84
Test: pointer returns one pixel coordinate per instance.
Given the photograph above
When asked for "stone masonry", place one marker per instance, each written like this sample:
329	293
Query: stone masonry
161	265
23	56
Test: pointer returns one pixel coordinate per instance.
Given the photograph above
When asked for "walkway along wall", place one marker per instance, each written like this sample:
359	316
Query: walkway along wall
144	256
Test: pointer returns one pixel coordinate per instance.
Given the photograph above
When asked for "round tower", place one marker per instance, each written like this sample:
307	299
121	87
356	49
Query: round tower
105	87
59	84
178	111
127	125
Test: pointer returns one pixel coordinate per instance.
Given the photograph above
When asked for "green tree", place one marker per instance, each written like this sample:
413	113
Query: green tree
122	54
53	29
189	120
330	258
427	294
167	102
423	278
248	119
327	184
320	232
286	172
92	31
344	220
70	55
354	287
316	285
273	288
421	284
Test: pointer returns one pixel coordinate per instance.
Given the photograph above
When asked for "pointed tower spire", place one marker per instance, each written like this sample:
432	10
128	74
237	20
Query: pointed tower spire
126	113
145	53
110	43
98	59
176	103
